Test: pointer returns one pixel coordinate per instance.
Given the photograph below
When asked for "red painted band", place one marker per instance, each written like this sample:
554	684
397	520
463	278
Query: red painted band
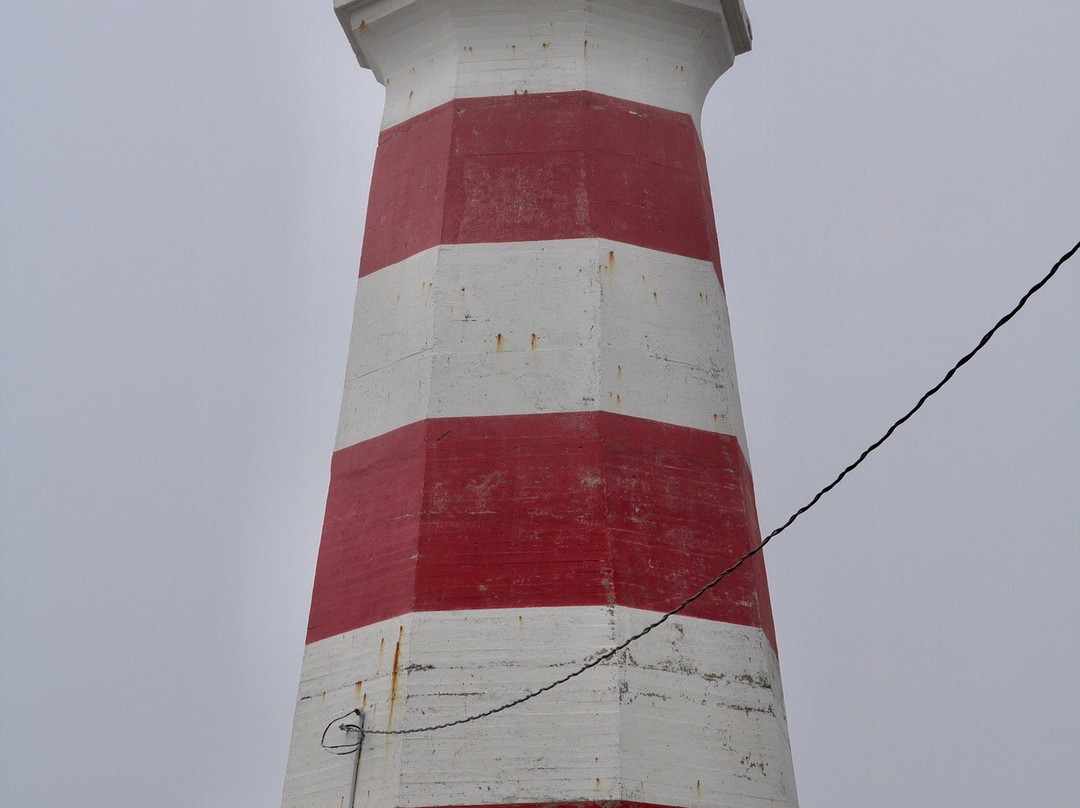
521	511
537	168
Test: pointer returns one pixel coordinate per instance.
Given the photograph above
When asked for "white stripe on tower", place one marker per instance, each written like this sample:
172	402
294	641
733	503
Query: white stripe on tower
694	723
542	326
541	446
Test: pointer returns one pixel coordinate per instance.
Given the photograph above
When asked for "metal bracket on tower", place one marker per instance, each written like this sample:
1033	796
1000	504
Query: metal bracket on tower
354	744
358	728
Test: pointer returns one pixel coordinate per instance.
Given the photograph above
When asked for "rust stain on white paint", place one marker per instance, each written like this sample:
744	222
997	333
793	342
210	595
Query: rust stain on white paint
394	678
423	343
681	687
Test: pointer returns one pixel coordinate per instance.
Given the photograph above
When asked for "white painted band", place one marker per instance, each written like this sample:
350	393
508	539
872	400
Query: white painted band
666	53
553	326
692	715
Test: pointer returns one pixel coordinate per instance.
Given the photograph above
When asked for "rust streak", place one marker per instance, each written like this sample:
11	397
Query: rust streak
532	343
498	342
609	267
394	672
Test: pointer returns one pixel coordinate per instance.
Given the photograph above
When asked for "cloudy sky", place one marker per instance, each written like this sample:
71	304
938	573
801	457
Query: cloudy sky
181	210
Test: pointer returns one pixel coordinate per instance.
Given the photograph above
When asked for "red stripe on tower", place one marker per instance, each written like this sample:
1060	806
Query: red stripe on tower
541	448
540	167
536	510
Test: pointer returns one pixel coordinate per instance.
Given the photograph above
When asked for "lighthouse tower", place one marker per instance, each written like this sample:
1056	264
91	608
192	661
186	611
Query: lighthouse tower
540	448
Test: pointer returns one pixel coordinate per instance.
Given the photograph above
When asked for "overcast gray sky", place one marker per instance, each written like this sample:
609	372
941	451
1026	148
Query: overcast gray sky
182	205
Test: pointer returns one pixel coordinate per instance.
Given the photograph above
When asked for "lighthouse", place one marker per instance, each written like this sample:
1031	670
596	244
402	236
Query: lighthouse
540	449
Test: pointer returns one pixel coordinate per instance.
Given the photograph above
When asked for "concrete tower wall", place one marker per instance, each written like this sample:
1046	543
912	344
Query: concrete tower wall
540	445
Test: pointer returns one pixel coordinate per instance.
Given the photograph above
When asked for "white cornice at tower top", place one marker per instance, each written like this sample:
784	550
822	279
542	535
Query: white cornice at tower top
664	53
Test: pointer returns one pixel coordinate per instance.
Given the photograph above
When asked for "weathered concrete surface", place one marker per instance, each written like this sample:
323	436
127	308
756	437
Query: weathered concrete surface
538	510
690	717
540	168
540	446
547	326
